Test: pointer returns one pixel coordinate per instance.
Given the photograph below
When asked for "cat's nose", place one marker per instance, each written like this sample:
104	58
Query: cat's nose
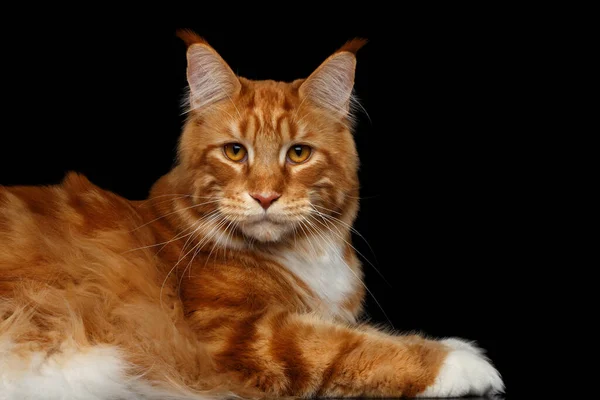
265	199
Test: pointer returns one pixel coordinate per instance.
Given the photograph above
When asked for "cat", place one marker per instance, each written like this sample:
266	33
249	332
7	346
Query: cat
235	277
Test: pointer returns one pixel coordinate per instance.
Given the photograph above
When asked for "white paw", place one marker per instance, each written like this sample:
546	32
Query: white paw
465	371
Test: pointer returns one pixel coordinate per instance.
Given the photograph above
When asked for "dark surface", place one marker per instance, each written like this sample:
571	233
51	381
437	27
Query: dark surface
439	198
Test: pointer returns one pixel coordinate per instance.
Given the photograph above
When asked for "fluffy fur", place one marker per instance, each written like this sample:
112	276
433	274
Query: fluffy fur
200	291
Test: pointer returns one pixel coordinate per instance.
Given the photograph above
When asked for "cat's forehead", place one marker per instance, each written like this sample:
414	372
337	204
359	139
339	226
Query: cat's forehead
268	110
269	96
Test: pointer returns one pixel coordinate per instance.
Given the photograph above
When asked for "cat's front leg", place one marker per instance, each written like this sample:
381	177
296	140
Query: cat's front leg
464	371
284	353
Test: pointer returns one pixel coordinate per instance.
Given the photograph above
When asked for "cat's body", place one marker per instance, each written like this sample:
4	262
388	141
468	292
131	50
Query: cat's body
237	275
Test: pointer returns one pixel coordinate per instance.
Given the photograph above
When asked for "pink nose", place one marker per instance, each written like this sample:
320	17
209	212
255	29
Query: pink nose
266	200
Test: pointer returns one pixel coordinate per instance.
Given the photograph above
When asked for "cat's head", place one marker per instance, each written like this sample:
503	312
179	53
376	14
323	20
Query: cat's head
262	159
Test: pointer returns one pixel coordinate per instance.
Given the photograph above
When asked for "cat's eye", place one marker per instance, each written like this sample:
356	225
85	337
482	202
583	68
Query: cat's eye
299	153
235	152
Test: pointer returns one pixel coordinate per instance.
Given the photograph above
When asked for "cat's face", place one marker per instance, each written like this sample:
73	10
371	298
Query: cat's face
269	160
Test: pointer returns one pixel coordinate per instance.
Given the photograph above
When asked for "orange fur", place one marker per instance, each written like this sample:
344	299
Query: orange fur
190	37
213	310
353	46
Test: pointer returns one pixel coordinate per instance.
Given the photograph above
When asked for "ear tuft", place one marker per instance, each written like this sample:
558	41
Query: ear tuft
190	37
353	46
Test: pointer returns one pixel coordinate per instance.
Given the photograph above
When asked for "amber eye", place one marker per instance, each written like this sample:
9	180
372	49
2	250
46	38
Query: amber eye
235	152
299	153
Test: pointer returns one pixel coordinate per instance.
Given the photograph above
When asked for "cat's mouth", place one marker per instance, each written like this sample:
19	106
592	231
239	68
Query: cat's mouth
267	218
265	228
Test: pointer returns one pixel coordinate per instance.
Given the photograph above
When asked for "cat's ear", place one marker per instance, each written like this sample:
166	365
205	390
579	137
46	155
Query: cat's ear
209	77
330	86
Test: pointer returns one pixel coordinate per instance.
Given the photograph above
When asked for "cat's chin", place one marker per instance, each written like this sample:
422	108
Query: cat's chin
265	231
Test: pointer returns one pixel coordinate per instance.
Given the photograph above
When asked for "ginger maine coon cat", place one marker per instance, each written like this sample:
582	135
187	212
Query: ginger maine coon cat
235	276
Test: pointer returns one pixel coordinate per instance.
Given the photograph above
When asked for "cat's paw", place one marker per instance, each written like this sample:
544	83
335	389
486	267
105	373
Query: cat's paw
465	371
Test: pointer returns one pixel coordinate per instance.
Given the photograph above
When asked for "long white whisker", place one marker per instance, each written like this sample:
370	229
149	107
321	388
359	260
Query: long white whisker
307	234
159	244
217	241
198	248
174	212
352	229
200	223
171	271
180	235
327	209
332	246
323	216
229	238
181	196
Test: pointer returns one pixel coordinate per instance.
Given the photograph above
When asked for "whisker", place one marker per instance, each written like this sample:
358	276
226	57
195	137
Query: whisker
302	225
173	212
327	209
174	195
332	247
211	217
363	198
180	235
229	238
323	216
170	272
181	197
199	248
217	242
352	229
196	249
158	244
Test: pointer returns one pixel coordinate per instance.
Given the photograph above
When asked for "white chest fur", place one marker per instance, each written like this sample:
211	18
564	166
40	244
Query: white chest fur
325	272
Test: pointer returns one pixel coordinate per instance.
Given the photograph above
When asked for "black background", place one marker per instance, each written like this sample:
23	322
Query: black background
102	97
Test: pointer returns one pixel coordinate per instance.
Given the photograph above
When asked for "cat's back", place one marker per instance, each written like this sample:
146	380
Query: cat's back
53	231
74	209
